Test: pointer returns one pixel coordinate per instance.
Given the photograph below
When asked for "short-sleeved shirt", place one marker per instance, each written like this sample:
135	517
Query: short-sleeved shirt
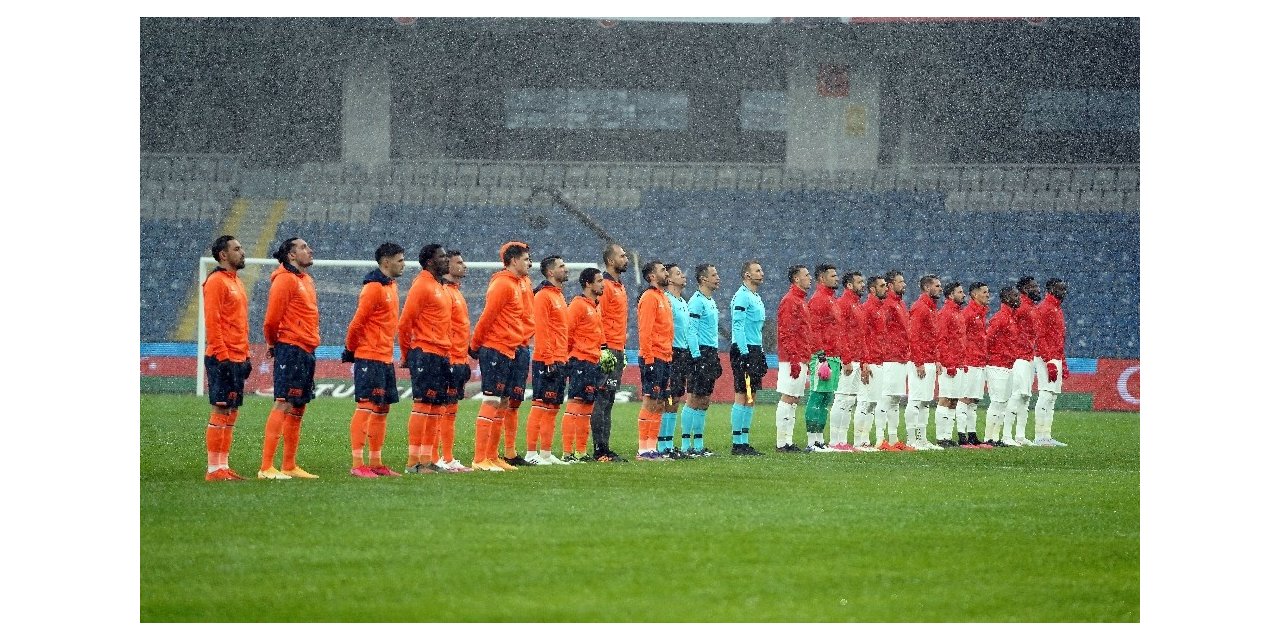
747	313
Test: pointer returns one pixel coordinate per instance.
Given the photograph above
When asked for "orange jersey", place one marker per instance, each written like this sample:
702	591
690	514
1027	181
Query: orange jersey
226	316
657	325
501	326
526	294
613	311
427	316
586	330
293	315
551	324
460	330
372	331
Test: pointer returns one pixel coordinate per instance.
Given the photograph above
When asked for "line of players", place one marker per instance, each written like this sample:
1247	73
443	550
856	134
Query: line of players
576	354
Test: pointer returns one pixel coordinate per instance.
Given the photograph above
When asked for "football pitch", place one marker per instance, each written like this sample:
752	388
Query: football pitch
1003	535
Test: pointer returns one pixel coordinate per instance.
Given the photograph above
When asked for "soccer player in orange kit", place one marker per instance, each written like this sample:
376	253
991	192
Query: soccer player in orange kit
369	345
292	332
499	331
226	353
550	357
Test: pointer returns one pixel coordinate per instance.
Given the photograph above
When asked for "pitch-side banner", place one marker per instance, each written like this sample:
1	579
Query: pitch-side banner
1117	387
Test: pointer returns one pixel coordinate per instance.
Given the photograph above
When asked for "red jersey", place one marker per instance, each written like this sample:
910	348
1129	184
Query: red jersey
371	334
1051	329
924	330
226	316
551	324
586	330
794	338
873	330
427	318
975	335
825	322
852	317
293	313
460	328
896	344
951	335
657	325
501	325
613	311
1003	335
1025	317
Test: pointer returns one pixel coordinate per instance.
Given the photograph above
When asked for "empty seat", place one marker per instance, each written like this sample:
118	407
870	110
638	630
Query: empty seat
992	179
1082	179
1059	179
1090	200
1127	178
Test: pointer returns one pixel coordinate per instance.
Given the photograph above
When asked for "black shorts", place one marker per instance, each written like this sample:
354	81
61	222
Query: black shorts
751	363
495	372
294	374
458	386
376	382
681	371
655	378
431	375
225	381
548	382
706	370
585	379
519	378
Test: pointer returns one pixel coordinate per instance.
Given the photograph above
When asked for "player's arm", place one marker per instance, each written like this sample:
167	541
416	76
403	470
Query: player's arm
408	316
277	302
647	317
215	291
498	295
691	329
370	296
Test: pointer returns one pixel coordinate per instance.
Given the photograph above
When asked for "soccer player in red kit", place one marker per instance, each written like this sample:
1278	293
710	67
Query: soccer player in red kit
897	352
1020	378
1051	360
794	351
873	363
226	353
922	370
850	386
1003	336
975	361
369	346
951	350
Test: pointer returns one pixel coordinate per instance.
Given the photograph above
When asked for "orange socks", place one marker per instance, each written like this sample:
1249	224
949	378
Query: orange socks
648	426
377	433
447	432
573	430
359	430
489	425
509	425
417	429
540	429
292	435
271	438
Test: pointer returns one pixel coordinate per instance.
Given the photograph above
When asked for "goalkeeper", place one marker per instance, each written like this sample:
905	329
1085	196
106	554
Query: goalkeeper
825	324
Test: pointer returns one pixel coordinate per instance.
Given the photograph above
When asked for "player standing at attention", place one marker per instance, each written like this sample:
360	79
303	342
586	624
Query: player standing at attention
795	348
498	333
226	353
746	355
976	362
897	351
613	312
683	360
370	345
1051	362
873	366
1003	335
292	331
825	324
951	350
704	318
586	340
519	371
425	341
459	361
922	370
550	355
1024	353
849	388
657	331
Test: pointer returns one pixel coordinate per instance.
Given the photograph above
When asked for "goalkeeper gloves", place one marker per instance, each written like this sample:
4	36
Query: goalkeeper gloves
824	370
348	355
1053	371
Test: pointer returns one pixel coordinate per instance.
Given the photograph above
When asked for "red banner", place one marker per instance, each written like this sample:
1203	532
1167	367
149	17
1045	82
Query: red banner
1118	386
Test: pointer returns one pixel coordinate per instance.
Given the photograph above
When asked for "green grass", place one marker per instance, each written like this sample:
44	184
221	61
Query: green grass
1007	535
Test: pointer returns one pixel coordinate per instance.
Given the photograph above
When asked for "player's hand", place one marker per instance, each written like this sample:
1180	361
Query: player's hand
951	371
473	351
795	369
404	364
348	356
866	374
965	368
1052	367
248	364
920	371
847	369
824	370
271	352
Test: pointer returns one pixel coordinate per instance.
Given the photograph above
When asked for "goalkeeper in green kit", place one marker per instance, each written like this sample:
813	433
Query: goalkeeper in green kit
825	366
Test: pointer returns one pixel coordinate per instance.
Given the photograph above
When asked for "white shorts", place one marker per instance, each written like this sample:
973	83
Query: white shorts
922	388
851	385
1020	378
1042	375
871	390
973	382
998	383
951	386
893	381
789	386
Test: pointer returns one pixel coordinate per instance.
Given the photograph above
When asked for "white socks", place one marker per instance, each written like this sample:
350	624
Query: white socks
995	420
1044	414
1015	420
785	420
945	417
841	414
